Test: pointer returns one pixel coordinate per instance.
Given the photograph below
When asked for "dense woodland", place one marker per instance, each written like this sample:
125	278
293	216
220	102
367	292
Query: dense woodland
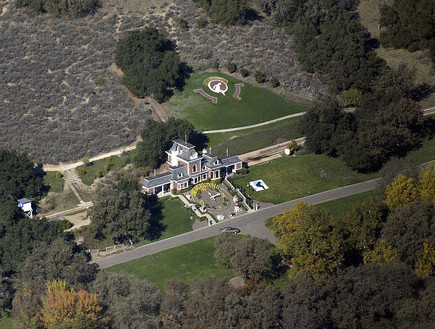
64	8
372	268
409	25
149	63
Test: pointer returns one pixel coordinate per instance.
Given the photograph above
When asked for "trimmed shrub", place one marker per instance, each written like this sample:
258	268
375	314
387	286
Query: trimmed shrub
274	82
231	67
244	72
260	77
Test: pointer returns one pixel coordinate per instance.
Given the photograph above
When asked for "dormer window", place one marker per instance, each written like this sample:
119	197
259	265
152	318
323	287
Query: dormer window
180	175
216	162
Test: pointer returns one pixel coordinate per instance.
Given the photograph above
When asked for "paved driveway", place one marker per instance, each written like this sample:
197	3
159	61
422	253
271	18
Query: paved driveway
250	223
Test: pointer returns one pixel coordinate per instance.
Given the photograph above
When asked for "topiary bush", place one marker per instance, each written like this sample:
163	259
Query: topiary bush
231	67
244	72
274	82
260	77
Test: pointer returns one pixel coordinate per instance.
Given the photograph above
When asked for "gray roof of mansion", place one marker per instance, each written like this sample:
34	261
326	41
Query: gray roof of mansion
183	143
180	169
187	149
230	160
210	160
157	180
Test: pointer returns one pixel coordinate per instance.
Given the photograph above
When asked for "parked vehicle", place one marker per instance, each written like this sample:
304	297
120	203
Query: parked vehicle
230	229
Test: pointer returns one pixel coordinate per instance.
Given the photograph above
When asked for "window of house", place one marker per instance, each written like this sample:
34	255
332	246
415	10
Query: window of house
194	168
180	175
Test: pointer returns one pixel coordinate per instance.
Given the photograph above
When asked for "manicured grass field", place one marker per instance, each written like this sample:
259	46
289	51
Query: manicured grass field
54	180
340	206
176	219
290	178
100	168
219	138
256	104
191	262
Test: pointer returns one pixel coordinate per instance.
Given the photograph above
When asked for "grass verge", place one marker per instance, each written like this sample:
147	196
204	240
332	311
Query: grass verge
256	104
340	206
191	262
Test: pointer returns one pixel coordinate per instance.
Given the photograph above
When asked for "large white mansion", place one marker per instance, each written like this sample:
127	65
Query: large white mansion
187	167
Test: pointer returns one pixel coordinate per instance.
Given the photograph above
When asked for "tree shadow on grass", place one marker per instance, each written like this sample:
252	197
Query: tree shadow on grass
185	72
156	228
199	139
422	92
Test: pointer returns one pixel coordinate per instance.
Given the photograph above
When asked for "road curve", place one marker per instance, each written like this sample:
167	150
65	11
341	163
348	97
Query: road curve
250	223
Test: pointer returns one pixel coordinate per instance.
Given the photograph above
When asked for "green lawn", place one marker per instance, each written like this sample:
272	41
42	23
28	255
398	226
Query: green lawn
54	180
219	138
340	206
100	168
424	154
191	262
256	104
290	178
258	139
176	219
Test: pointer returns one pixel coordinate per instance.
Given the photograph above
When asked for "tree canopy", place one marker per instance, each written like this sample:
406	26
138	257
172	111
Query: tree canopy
225	12
17	176
157	137
149	63
250	256
122	212
409	25
308	238
64	8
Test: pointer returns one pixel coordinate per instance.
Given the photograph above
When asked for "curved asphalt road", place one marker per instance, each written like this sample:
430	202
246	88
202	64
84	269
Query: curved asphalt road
250	223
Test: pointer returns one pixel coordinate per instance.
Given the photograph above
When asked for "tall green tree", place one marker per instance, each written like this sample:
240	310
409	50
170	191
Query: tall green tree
128	301
409	25
121	212
308	238
157	138
250	256
225	12
149	63
17	176
408	229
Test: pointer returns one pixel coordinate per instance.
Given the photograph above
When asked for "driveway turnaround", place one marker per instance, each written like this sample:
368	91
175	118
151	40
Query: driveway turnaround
252	223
